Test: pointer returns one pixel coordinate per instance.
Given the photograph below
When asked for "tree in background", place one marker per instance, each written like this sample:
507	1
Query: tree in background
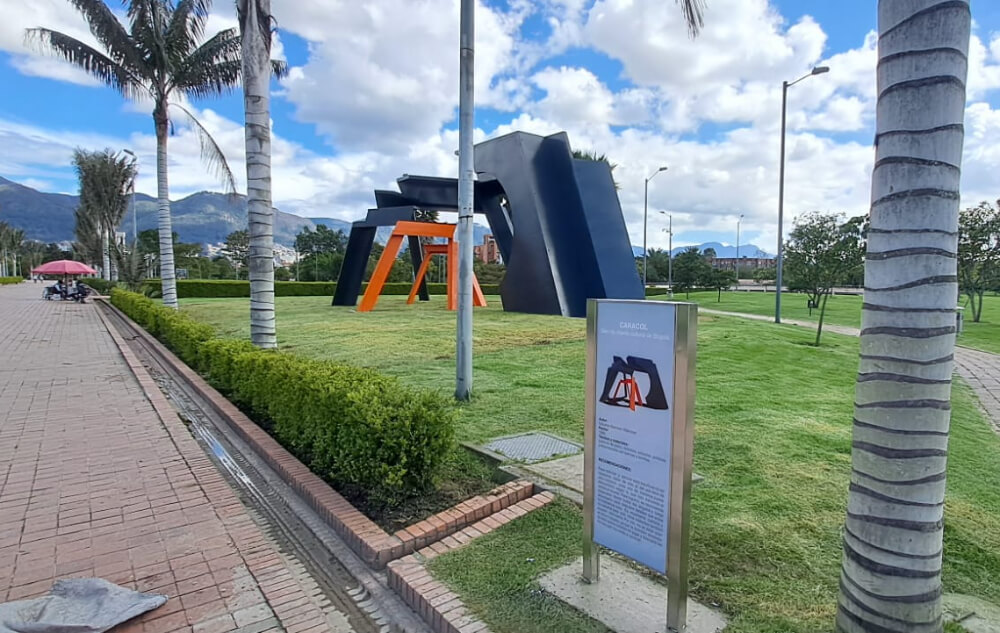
186	255
322	253
763	276
720	280
690	270
11	244
894	531
657	265
978	254
282	274
105	178
821	251
162	55
237	250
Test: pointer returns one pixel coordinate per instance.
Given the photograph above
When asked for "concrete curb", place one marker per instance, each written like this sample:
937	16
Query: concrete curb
441	608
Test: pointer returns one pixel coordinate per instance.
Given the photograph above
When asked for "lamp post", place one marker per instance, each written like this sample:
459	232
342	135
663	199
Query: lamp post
670	252
818	70
738	221
135	172
645	216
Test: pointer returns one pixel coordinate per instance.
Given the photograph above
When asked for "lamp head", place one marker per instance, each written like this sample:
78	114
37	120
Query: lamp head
664	168
819	70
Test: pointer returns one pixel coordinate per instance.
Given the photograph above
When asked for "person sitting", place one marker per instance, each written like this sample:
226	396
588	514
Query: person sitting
80	292
60	289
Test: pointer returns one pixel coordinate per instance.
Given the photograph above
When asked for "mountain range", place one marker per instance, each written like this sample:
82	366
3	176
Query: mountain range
205	218
721	250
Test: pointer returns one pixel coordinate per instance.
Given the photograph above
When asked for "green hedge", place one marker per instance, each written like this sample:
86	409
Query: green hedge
653	292
4	281
221	288
351	426
102	286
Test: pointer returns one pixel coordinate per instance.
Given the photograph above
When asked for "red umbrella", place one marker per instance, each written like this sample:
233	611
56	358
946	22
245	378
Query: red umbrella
64	267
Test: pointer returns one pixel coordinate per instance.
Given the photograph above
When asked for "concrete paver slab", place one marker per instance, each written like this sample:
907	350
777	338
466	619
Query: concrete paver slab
624	600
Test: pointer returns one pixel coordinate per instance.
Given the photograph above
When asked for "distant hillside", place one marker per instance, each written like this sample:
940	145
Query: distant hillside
204	217
746	250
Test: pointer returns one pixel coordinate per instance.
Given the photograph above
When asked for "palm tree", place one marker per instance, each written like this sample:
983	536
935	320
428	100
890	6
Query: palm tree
104	178
891	570
160	56
255	30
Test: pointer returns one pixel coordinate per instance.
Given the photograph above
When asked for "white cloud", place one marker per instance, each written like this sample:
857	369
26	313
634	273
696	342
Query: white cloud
385	75
381	84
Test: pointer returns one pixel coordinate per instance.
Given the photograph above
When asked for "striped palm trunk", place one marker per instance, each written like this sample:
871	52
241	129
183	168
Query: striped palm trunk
256	58
891	572
164	225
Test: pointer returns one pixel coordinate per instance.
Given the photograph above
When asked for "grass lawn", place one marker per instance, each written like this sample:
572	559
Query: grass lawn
773	439
845	310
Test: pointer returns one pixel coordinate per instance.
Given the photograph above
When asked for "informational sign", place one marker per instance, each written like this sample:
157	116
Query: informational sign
639	437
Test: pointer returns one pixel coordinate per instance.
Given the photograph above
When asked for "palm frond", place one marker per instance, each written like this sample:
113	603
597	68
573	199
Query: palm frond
149	20
279	68
187	27
89	59
211	153
104	26
213	68
694	15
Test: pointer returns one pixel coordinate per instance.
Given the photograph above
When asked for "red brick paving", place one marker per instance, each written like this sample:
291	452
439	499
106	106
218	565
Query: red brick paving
93	482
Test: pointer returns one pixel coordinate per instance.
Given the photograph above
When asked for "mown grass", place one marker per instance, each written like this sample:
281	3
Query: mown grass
772	438
846	310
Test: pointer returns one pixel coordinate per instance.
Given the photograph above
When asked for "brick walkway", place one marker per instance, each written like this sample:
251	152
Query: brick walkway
981	370
93	482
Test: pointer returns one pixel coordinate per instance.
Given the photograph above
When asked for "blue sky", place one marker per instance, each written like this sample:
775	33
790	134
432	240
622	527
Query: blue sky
371	97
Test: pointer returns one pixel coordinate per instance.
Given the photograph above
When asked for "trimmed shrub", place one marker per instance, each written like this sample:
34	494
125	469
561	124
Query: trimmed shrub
654	292
222	288
102	286
350	425
5	281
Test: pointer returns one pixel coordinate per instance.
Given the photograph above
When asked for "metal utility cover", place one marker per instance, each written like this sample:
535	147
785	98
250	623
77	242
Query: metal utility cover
533	447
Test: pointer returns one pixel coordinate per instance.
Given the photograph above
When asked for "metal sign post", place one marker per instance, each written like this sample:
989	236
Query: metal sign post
639	439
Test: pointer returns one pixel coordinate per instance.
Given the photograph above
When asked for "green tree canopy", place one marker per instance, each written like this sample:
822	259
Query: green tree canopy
978	253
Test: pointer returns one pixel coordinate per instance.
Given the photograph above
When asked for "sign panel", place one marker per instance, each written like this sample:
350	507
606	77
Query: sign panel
634	421
639	438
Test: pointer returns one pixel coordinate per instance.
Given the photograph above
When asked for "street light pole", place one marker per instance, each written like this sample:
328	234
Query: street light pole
466	193
645	219
818	70
738	251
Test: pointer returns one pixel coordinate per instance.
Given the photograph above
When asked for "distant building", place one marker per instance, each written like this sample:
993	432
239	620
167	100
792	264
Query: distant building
747	264
487	252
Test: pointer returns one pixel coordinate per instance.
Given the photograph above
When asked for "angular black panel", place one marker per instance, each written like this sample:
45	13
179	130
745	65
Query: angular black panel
557	222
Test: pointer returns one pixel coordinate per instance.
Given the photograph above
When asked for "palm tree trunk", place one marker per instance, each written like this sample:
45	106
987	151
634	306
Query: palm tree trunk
105	257
256	60
167	277
891	570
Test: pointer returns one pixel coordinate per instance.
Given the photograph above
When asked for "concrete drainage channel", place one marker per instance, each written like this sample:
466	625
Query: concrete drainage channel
358	599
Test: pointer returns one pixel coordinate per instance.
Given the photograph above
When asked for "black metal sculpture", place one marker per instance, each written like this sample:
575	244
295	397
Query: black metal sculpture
556	220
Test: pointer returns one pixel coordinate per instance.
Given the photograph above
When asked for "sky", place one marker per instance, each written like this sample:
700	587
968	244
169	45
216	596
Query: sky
372	94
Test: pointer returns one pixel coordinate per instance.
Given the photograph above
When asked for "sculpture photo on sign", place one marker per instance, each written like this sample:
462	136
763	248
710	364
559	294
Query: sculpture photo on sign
622	389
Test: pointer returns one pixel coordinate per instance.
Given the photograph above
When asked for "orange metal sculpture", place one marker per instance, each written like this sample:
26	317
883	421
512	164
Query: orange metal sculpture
450	250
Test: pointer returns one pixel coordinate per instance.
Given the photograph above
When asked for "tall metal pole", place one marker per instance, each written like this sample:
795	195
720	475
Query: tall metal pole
466	191
818	70
781	206
645	217
670	259
645	214
738	221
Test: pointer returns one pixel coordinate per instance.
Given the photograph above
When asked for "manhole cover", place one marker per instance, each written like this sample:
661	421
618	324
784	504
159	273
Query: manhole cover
533	447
